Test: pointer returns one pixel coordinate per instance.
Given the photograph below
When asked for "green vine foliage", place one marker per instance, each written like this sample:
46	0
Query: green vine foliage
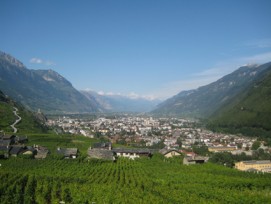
155	180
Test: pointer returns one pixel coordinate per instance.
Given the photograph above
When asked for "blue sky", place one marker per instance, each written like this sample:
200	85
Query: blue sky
148	48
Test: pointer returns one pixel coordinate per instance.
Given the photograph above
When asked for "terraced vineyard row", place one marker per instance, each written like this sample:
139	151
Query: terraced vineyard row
153	180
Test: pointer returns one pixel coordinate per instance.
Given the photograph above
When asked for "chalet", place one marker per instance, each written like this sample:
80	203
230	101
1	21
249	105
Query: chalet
195	160
68	152
10	138
262	165
132	153
16	150
21	139
170	152
101	154
5	142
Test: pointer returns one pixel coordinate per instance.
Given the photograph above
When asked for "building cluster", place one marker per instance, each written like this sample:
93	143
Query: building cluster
105	151
171	137
14	145
177	136
148	131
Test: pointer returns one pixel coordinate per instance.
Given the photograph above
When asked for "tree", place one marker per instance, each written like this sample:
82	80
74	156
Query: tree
201	150
255	145
223	158
179	142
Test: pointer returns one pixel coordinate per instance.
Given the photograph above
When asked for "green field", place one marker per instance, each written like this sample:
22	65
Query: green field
154	180
53	141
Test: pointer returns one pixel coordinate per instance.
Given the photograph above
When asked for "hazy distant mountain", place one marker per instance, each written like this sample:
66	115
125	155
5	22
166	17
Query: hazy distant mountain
250	113
204	101
41	89
119	103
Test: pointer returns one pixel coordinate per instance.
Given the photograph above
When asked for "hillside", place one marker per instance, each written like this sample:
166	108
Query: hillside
204	101
31	122
41	89
118	103
250	113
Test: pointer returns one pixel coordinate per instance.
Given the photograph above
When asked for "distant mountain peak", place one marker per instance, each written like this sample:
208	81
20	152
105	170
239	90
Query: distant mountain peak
121	103
11	60
41	89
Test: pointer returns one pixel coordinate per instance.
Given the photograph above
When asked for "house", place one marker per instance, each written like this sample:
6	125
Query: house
5	142
42	152
16	150
195	160
103	145
29	151
4	152
101	154
189	154
132	153
21	139
261	165
10	138
168	153
68	152
240	151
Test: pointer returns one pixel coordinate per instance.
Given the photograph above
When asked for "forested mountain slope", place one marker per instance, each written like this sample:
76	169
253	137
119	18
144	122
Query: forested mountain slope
204	101
249	113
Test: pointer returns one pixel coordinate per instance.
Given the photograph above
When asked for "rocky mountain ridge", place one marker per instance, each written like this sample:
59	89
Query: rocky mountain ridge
41	89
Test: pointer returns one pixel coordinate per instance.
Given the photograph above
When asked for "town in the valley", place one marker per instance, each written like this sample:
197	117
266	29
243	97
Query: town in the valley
138	136
169	136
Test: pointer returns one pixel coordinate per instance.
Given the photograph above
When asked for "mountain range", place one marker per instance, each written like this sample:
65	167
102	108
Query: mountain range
52	93
238	102
120	103
207	100
41	89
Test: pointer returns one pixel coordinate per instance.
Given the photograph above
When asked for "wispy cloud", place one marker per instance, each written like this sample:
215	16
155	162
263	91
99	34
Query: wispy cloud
197	79
261	43
257	59
131	95
35	60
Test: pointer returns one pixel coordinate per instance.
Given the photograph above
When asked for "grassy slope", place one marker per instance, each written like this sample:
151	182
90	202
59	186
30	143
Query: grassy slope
28	124
52	141
249	114
6	116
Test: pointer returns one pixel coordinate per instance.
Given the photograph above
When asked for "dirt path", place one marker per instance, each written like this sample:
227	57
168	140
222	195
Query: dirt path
17	121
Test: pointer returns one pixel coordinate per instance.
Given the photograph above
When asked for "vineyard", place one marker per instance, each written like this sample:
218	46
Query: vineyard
145	180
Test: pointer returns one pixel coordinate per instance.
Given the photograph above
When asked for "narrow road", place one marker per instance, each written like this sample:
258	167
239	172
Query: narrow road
17	121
